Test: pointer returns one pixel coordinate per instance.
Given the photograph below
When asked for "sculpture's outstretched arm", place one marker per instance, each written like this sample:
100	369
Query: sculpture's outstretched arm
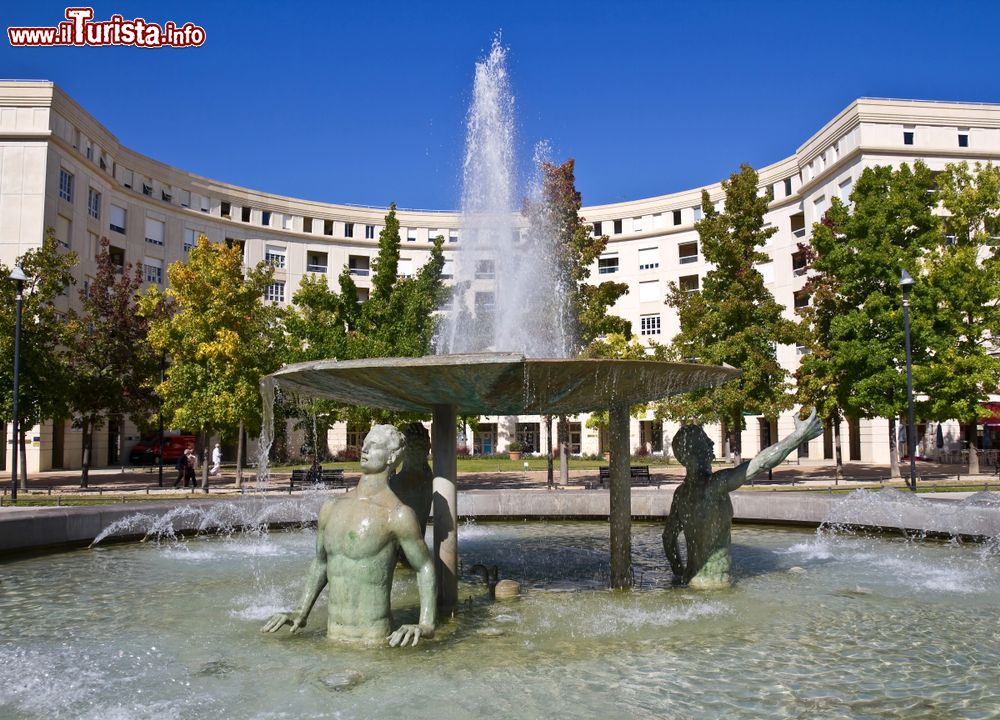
315	582
411	541
774	455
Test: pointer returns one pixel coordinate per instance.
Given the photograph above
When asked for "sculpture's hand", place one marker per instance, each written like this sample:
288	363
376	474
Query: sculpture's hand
405	633
811	427
279	620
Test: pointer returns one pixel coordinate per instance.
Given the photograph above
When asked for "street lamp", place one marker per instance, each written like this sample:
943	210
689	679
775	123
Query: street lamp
18	277
906	282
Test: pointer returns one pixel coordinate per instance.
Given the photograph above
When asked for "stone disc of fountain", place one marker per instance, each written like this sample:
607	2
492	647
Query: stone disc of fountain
505	384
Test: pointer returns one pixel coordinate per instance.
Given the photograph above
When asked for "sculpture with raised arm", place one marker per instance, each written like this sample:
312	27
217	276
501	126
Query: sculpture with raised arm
356	543
701	507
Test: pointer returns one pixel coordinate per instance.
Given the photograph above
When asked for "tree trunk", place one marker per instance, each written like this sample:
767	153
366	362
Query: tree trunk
121	440
88	431
204	460
838	468
239	456
550	473
893	450
563	435
971	432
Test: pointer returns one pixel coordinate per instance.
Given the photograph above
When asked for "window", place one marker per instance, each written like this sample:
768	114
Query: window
963	137
677	217
819	208
907	137
485	270
241	244
697	212
165	196
152	270
649	291
128	178
453	236
245	214
845	190
265	217
203	203
618	227
448	271
65	185
369	232
317	262
117	256
275	256
185	198
154	231
411	236
275	292
190	239
800	299
363	294
328	227
649	258
688	283
358	265
485	302
147	189
800	263
637	224
798	224
597	229
118	216
607	265
649	324
766	271
286	222
64	230
574	438
687	252
484	439
528	435
788	187
404	268
348	229
94	204
226	209
307	224
356	434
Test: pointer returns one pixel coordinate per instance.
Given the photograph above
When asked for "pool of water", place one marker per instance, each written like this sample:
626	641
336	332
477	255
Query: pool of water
818	625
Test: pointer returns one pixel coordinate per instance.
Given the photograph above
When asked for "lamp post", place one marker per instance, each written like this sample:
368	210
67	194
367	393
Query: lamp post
906	282
18	277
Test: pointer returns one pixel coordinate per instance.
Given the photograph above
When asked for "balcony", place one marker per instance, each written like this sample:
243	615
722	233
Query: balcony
315	268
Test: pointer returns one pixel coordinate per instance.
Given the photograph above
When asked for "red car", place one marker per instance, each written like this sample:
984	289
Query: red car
145	452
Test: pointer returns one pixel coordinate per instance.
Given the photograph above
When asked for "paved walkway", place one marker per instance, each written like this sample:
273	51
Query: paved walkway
811	476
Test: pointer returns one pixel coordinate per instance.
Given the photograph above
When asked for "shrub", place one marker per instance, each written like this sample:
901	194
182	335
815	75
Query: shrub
515	446
351	453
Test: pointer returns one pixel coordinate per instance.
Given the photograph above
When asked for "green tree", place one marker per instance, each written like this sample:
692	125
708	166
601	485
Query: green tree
221	338
44	373
576	248
963	280
113	366
891	227
734	319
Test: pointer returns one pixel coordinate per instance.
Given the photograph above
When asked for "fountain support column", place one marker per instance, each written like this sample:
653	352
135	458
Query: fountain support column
621	497
443	440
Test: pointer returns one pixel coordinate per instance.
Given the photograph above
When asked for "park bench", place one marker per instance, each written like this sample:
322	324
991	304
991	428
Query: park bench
639	474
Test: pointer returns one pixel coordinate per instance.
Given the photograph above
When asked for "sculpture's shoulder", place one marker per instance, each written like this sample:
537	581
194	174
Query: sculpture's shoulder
327	510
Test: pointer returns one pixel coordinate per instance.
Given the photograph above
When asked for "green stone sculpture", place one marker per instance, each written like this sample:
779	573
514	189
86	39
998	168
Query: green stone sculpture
356	544
701	507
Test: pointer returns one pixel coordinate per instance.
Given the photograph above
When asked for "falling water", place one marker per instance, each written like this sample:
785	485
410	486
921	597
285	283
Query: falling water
507	297
268	387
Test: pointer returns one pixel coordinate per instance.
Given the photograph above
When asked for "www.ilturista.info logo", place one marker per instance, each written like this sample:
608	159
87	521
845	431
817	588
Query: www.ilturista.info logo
81	29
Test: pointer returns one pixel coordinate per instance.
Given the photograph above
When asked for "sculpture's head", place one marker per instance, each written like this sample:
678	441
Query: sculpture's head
383	448
693	448
418	442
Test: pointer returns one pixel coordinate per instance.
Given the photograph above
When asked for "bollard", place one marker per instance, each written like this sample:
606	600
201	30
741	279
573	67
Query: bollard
59	501
147	490
50	489
100	492
123	499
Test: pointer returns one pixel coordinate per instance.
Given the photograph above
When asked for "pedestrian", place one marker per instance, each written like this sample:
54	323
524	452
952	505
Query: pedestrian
181	466
192	463
216	460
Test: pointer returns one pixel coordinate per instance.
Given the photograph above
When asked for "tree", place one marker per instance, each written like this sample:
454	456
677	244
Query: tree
221	338
734	319
963	279
113	366
576	249
44	374
890	227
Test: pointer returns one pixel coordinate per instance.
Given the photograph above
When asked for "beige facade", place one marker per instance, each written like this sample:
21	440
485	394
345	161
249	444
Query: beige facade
152	212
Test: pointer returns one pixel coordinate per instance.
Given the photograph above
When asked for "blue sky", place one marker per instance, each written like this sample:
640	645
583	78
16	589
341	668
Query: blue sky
365	102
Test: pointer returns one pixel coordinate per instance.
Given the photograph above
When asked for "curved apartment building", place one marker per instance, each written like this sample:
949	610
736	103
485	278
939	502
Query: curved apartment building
60	168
